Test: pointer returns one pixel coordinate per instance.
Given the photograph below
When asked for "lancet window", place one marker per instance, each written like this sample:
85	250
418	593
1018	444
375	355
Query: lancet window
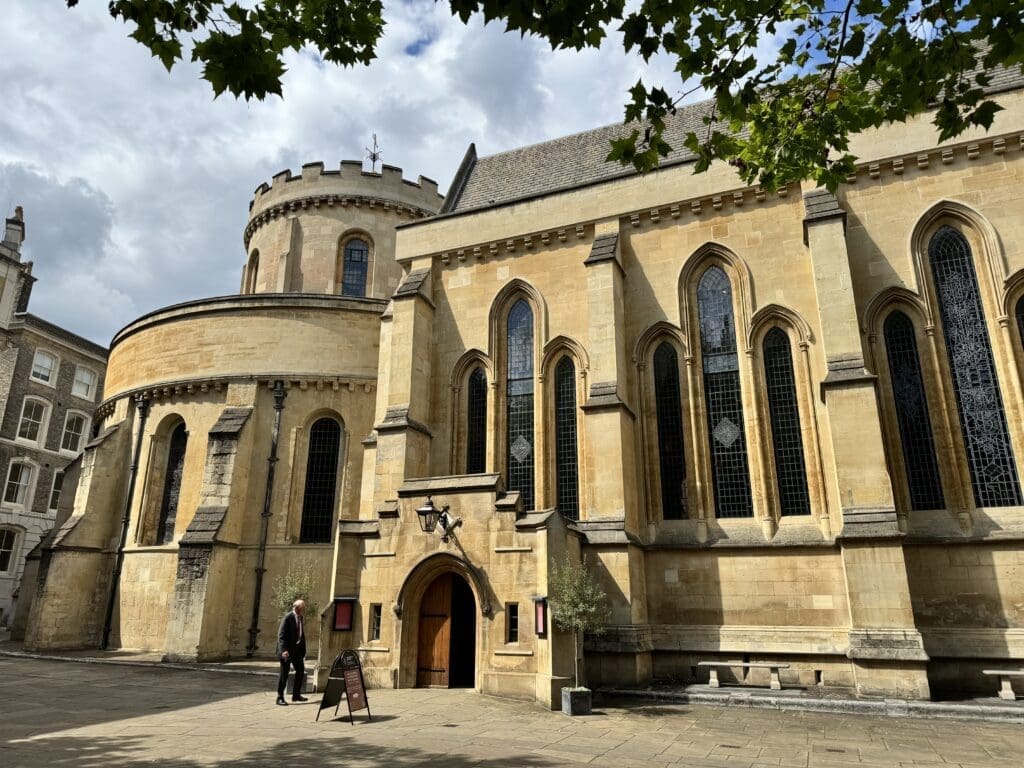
728	446
172	484
787	438
520	444
476	422
354	267
321	479
979	402
670	432
566	457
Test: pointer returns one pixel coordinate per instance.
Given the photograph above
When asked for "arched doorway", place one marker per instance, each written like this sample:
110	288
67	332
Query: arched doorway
446	650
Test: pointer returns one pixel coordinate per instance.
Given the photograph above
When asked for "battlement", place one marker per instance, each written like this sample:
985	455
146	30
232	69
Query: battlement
349	181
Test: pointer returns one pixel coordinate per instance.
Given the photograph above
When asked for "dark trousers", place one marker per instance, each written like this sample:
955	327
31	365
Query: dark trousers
300	676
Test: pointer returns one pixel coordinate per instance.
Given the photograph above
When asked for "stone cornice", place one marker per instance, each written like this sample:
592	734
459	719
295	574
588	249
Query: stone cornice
330	200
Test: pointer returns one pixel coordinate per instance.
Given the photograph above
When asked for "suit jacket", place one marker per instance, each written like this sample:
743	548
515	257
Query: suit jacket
288	637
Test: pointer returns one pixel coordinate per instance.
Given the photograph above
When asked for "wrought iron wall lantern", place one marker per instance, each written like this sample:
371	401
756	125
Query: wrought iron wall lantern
430	516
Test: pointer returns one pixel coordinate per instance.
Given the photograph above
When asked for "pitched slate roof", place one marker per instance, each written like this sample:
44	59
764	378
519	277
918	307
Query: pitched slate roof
578	160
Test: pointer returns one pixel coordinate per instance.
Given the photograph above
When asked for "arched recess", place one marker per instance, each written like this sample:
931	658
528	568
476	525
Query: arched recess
649	445
953	225
740	287
301	470
800	335
556	350
351	288
458	385
157	479
1013	308
504	302
252	271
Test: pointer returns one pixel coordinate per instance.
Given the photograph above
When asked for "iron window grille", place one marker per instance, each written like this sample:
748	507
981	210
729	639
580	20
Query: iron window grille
566	456
730	473
787	437
911	403
321	479
354	266
519	397
172	485
668	411
975	384
476	422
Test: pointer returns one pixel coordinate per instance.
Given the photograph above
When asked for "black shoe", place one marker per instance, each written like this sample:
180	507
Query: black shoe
299	698
281	702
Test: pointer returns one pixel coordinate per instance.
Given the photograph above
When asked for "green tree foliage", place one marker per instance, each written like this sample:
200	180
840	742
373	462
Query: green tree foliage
844	66
298	583
578	604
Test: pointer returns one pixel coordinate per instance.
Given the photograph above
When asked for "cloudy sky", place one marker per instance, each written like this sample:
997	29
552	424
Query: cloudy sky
136	183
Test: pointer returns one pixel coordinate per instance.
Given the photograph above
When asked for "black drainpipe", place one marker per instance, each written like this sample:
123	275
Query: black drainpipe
142	408
254	628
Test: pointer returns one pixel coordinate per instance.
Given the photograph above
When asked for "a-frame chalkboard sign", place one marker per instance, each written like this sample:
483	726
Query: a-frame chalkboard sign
346	677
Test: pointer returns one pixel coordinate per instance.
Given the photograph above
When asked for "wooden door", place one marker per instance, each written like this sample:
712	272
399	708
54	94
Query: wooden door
432	666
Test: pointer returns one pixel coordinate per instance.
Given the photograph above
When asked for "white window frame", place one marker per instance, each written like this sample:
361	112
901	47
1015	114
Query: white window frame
12	564
44	425
95	380
81	438
50	506
54	373
30	486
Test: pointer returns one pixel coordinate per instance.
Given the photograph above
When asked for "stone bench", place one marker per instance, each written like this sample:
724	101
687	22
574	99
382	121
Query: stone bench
775	685
1005	676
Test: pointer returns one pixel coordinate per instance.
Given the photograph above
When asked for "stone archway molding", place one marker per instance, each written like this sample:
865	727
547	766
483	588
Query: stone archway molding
436	564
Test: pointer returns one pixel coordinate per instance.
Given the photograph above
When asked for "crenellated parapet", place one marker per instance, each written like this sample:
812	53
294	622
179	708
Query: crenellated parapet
350	185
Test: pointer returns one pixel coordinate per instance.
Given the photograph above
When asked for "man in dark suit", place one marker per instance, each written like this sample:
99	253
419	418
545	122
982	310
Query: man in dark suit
291	651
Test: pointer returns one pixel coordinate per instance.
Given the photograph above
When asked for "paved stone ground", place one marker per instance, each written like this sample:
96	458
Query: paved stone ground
55	714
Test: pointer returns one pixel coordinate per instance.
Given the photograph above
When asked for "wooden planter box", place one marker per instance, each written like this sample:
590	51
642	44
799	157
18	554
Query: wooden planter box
576	701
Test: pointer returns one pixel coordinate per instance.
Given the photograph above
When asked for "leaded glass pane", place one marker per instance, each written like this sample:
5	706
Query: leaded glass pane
566	461
670	432
979	402
476	422
519	396
729	471
787	437
172	485
321	478
353	275
912	414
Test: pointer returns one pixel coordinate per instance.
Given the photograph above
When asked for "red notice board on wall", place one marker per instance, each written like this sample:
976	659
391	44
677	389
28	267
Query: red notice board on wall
344	614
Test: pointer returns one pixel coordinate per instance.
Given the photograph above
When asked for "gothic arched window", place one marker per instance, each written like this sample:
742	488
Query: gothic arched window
353	274
979	402
729	471
519	397
321	478
566	459
476	422
1020	321
787	438
911	404
172	485
670	432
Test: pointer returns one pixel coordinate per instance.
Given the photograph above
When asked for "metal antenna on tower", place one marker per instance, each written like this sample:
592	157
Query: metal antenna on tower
374	154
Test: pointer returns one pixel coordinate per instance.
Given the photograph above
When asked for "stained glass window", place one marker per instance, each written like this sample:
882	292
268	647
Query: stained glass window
353	275
172	485
729	471
787	437
670	432
519	395
321	478
979	402
476	422
912	413
566	461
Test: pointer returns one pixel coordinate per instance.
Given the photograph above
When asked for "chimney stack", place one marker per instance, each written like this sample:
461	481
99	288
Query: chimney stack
14	234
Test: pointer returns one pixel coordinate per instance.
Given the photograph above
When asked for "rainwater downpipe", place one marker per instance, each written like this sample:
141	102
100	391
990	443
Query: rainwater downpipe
254	628
142	408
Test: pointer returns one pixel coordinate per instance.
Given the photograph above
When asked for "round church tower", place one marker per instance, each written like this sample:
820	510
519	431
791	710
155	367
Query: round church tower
230	431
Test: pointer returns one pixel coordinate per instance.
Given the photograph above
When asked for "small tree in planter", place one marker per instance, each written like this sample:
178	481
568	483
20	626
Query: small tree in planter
578	605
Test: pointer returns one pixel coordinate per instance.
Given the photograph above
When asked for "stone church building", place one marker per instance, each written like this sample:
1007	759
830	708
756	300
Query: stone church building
778	426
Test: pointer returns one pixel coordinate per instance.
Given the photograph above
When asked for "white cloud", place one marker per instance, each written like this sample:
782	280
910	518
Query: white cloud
136	183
